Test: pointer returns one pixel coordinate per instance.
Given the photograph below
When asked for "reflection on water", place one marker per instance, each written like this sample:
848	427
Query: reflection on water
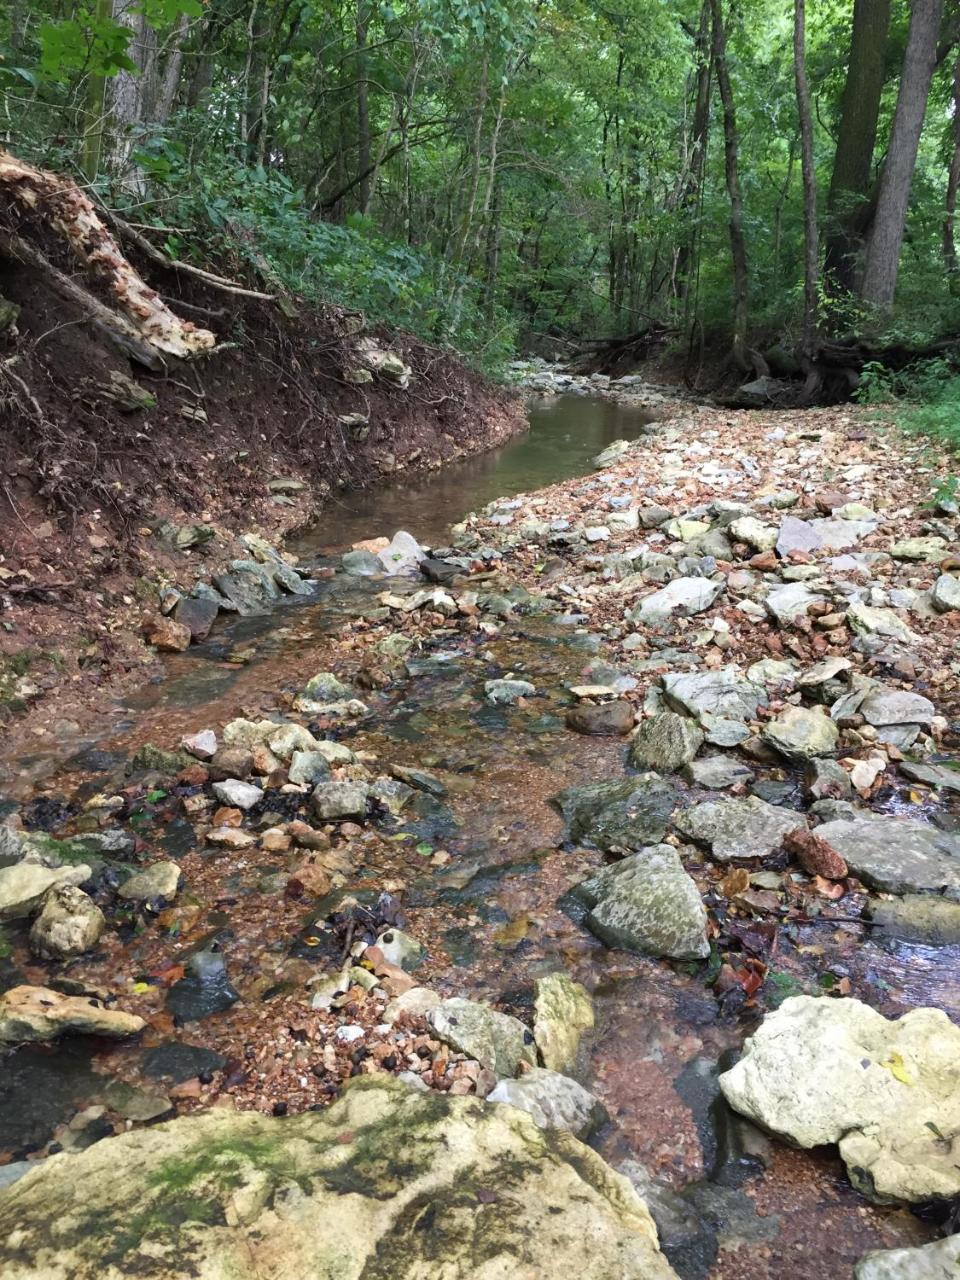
565	434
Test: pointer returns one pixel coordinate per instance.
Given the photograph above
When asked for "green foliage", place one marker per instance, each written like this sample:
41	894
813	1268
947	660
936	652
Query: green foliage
924	398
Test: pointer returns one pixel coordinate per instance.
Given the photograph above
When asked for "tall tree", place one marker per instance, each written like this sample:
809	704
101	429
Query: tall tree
731	145
953	180
848	200
811	243
886	237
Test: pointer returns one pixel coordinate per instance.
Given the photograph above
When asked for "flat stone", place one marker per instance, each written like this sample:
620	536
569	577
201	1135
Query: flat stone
840	535
897	855
177	1061
920	549
402	556
496	1040
197	614
624	814
821	672
681	598
665	741
563	1012
608	719
24	885
682	530
822	1070
717	772
937	1261
723	694
204	989
237	794
896	706
337	1193
737	828
336	800
756	534
797	535
933	775
31	1014
865	620
800	733
918	917
553	1101
647	903
507	692
827	779
788	603
133	1103
160	880
775	671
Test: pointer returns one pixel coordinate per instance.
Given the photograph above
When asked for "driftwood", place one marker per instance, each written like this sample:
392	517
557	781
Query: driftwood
142	322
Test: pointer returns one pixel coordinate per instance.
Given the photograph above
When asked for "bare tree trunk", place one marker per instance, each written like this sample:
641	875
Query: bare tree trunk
883	251
172	72
131	95
96	107
363	109
811	255
848	201
738	248
953	181
690	196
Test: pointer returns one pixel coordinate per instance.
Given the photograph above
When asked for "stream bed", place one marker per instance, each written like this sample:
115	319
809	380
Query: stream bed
480	873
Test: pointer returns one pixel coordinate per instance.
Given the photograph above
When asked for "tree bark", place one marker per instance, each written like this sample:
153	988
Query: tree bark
953	181
364	167
738	248
883	251
811	246
689	203
848	200
131	94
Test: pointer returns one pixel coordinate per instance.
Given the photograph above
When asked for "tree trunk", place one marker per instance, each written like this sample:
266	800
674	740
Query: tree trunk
131	95
886	238
811	254
953	180
363	110
848	201
690	197
96	108
169	86
738	248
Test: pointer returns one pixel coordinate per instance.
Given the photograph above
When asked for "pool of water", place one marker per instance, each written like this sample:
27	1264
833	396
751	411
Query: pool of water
565	434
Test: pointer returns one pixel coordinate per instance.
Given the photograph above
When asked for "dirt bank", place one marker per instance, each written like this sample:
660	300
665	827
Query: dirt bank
104	461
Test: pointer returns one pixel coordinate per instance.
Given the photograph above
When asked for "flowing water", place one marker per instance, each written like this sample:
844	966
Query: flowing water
489	915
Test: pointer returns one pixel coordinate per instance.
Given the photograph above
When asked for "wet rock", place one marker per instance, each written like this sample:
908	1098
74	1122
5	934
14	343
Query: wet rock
681	598
204	988
816	856
797	535
160	880
748	529
721	694
508	692
402	557
933	775
201	745
419	778
897	855
153	759
553	1101
800	733
618	815
717	772
495	1187
937	1261
737	828
833	1070
612	454
69	924
647	903
136	1104
665	741
400	949
417	1002
335	800
166	634
237	794
608	719
326	687
918	917
945	593
39	1013
688	1239
177	1061
197	614
826	778
361	564
496	1040
563	1012
24	886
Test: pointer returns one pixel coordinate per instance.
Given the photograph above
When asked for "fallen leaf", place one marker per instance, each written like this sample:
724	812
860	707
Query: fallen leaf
894	1064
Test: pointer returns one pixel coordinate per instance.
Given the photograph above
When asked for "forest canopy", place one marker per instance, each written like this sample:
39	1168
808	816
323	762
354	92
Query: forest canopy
504	175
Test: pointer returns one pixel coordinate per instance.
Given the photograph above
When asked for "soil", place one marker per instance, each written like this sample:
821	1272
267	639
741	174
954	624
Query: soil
87	485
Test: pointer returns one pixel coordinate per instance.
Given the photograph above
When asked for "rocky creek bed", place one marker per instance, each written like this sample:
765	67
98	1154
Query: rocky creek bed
623	814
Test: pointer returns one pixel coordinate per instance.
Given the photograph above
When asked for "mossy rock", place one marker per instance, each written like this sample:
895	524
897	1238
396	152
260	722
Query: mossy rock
388	1184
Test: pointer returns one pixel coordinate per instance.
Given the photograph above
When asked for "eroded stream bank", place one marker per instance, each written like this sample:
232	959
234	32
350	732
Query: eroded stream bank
454	708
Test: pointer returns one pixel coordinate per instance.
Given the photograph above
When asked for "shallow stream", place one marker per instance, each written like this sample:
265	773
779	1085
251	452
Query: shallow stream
489	915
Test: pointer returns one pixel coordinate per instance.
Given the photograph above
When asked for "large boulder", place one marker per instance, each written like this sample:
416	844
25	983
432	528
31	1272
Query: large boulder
69	924
820	1070
621	815
24	886
387	1184
723	694
737	828
39	1013
647	903
897	855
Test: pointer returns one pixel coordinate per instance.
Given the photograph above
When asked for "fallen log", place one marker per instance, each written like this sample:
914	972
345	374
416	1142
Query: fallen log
618	355
143	319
